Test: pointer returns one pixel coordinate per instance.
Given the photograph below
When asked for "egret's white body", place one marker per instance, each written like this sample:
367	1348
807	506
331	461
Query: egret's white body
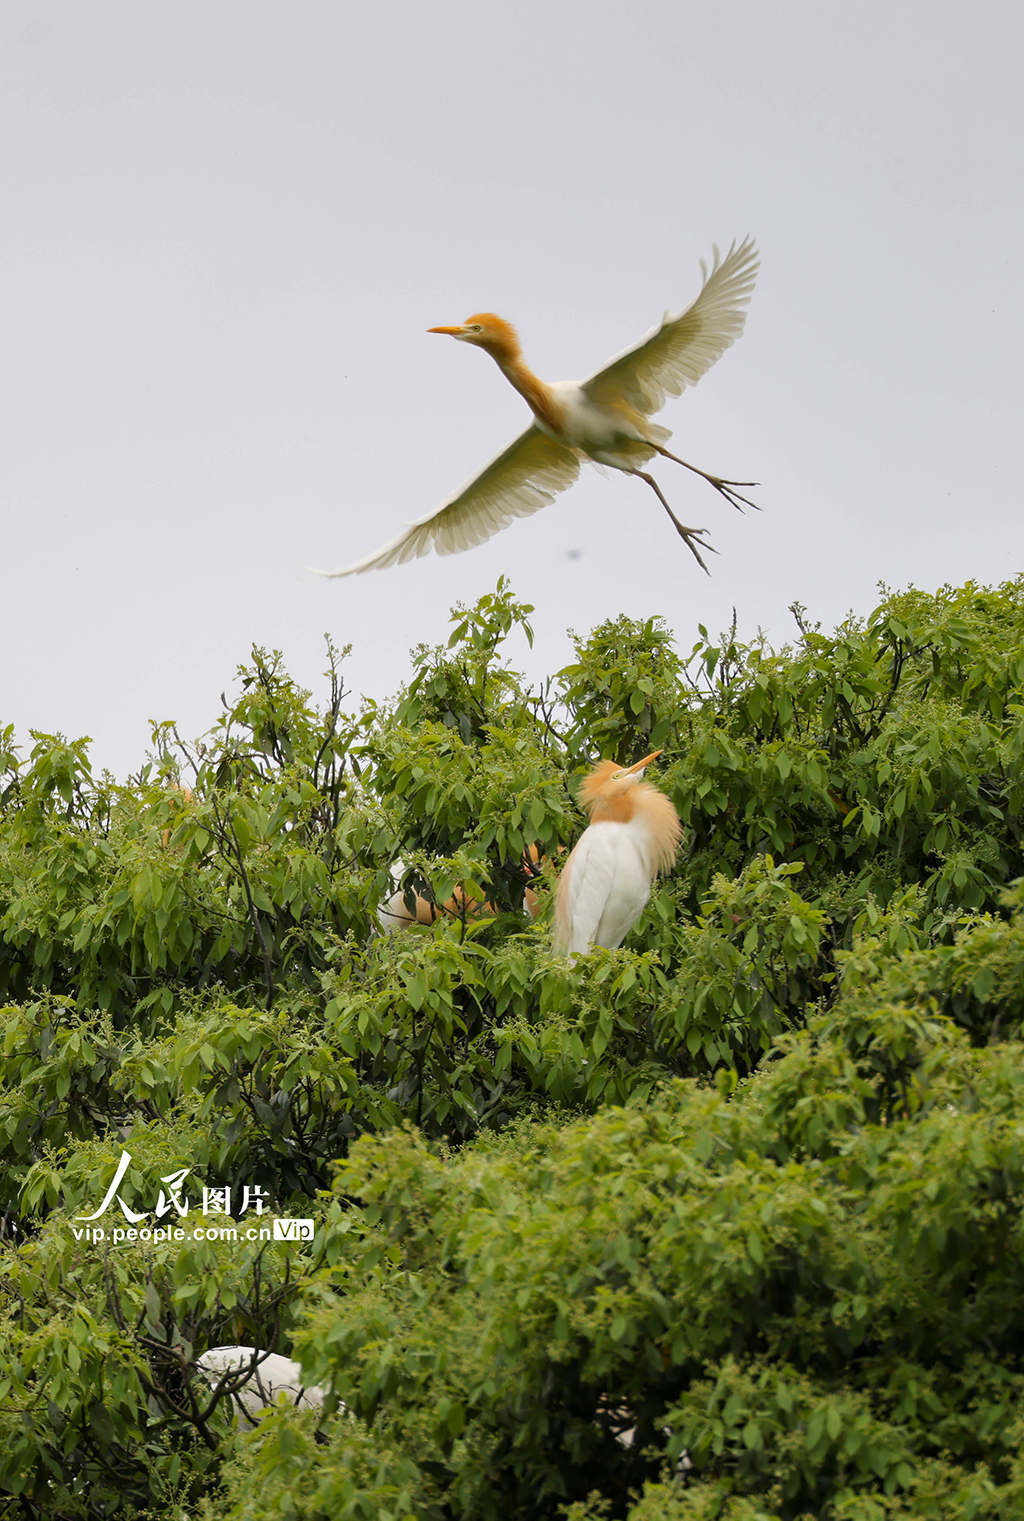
595	429
612	871
274	1380
606	883
605	418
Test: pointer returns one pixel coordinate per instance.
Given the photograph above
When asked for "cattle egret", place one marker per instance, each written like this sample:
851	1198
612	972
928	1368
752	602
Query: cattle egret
633	834
604	419
393	913
272	1380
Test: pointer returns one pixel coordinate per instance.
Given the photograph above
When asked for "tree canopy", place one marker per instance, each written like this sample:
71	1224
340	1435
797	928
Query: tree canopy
725	1223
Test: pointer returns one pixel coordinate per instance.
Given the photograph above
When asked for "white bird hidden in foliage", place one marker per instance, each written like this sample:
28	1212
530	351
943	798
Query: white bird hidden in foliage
633	834
273	1380
393	913
605	419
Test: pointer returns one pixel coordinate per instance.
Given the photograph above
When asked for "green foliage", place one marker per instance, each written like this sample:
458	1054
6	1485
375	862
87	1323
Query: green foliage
811	1287
724	1223
100	1412
623	692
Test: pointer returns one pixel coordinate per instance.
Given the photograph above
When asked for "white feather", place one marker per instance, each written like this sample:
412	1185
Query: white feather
682	348
275	1380
525	477
608	882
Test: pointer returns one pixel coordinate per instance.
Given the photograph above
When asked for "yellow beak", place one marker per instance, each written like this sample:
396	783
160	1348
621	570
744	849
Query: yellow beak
641	764
453	332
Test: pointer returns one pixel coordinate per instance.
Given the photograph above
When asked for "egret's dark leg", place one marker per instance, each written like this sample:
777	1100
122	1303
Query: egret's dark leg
691	536
722	487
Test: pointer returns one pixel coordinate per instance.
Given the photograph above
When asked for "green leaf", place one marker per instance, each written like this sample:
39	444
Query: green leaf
153	1306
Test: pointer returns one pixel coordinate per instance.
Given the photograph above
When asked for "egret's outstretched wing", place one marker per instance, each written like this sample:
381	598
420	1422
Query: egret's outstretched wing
676	354
527	476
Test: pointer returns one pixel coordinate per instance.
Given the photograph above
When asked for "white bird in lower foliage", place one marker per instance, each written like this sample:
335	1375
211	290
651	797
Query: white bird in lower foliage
604	418
274	1380
633	834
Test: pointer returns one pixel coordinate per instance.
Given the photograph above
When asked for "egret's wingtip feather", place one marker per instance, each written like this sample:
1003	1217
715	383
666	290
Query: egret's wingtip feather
526	476
679	352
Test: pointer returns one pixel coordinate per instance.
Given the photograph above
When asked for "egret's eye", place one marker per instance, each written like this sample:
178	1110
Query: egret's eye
475	327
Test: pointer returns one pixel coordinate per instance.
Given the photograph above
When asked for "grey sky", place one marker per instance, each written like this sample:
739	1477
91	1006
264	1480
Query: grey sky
227	226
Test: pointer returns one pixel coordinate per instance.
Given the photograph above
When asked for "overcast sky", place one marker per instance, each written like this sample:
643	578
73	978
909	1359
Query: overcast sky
228	223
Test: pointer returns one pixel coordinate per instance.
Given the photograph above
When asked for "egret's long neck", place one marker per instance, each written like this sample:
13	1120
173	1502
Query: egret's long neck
538	397
619	808
651	818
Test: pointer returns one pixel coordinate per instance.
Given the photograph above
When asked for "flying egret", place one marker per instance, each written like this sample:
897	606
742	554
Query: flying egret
604	419
633	834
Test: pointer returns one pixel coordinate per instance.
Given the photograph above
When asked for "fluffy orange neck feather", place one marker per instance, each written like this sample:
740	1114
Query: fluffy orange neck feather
622	801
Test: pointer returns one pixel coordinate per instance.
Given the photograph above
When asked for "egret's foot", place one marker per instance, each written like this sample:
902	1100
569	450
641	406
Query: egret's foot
690	536
725	488
694	543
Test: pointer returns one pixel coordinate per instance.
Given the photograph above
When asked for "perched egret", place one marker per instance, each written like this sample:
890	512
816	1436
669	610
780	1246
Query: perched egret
393	913
604	419
633	834
271	1380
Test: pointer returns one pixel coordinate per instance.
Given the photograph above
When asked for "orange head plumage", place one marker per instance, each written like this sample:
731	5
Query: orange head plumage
489	332
618	794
